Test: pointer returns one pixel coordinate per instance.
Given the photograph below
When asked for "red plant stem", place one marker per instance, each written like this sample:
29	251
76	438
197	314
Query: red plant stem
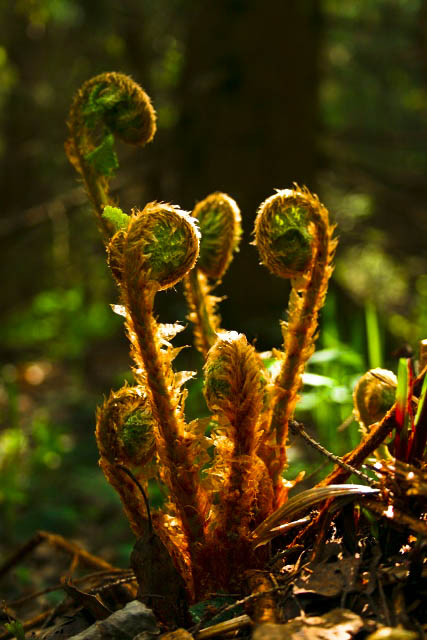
419	441
370	442
355	458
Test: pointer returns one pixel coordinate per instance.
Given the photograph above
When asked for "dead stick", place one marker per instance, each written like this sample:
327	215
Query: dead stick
57	542
398	517
298	428
378	432
223	627
125	575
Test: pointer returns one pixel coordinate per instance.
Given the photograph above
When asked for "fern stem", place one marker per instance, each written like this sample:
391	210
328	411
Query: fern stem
295	240
181	474
219	221
202	310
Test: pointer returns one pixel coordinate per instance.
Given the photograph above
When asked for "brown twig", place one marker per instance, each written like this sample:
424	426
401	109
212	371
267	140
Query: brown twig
298	428
124	576
224	627
396	516
369	443
58	542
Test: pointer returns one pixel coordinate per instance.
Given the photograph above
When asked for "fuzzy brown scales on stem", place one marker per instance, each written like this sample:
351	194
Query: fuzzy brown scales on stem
203	310
157	248
295	240
235	380
149	251
234	385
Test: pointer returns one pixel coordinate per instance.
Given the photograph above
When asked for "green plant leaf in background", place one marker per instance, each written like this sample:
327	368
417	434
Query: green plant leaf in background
16	629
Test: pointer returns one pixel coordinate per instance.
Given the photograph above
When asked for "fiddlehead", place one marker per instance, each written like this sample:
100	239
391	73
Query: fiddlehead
156	249
234	385
294	240
235	381
374	394
125	436
219	221
108	105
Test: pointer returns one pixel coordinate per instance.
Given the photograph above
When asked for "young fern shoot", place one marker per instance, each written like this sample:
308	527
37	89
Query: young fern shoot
235	380
295	240
108	105
216	495
219	221
158	247
125	437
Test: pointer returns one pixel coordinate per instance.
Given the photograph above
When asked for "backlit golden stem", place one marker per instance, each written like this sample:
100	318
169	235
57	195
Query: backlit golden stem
202	310
180	472
296	219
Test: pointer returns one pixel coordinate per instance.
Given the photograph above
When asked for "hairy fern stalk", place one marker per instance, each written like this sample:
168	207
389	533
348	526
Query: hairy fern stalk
222	484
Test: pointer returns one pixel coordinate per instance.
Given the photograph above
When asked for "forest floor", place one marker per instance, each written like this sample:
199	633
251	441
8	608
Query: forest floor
363	577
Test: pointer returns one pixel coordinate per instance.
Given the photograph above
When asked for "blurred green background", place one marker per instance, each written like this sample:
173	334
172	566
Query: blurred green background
250	96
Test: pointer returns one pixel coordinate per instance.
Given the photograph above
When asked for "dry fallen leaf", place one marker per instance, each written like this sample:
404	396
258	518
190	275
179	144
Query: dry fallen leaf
92	603
338	624
329	578
161	587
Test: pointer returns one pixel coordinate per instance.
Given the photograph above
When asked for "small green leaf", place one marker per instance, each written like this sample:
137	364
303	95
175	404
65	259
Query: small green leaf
16	629
103	158
422	400
118	219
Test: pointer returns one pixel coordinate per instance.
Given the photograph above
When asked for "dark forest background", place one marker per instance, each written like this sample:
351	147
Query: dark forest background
251	95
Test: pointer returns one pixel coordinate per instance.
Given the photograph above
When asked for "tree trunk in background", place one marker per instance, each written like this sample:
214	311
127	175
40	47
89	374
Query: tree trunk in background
248	113
249	93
